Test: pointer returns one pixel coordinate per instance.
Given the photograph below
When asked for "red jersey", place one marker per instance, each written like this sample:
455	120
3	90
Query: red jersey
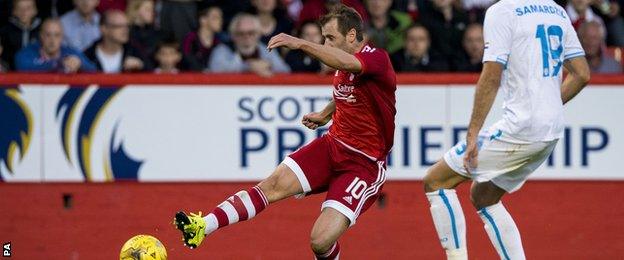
365	105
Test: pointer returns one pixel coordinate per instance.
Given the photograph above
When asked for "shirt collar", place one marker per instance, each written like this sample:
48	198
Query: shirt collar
36	22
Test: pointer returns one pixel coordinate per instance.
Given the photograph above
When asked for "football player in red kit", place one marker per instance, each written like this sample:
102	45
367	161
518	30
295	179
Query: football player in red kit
348	162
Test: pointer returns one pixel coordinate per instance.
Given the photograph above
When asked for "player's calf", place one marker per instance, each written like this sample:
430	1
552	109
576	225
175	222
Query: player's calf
498	223
502	231
449	221
446	211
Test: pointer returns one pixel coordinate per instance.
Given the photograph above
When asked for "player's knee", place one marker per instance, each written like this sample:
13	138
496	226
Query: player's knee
270	187
485	194
427	183
480	201
279	185
431	183
320	243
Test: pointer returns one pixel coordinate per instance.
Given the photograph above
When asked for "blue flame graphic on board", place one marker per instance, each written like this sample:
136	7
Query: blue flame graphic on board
16	124
67	104
117	164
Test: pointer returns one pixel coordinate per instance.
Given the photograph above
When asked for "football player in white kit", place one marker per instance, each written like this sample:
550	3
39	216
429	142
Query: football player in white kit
527	44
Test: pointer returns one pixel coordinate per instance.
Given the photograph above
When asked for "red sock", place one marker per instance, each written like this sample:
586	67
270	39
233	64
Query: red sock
241	206
332	254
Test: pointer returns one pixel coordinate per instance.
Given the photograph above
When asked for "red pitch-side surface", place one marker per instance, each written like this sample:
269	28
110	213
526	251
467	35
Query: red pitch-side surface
557	220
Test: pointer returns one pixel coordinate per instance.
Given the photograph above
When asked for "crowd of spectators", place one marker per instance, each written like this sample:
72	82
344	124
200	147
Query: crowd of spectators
169	36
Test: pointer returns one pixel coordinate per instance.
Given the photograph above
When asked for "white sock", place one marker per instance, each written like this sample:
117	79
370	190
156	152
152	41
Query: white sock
450	223
212	223
242	206
502	231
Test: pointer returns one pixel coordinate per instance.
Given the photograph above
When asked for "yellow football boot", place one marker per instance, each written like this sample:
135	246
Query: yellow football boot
193	228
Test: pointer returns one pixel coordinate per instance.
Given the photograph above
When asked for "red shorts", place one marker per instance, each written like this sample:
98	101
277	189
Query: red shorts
352	180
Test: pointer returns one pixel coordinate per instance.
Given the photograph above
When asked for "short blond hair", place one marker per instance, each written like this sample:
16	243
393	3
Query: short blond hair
133	8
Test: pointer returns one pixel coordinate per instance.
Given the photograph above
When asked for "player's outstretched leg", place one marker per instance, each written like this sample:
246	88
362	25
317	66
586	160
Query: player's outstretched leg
499	225
446	211
328	227
241	206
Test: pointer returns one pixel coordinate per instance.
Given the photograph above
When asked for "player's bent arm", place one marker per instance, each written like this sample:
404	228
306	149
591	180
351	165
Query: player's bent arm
577	79
333	57
315	120
487	87
328	111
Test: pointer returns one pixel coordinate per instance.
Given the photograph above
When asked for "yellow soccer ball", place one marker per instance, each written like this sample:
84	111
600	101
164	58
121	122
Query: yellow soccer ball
143	247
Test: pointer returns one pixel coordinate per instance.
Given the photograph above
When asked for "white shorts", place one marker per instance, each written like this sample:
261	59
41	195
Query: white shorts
506	163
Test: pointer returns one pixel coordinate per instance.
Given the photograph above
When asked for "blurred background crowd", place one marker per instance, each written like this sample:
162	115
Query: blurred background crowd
170	36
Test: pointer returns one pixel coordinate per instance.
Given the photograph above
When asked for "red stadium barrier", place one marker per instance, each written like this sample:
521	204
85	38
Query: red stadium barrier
557	220
252	80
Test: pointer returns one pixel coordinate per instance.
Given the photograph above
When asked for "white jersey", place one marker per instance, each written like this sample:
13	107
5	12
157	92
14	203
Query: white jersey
532	39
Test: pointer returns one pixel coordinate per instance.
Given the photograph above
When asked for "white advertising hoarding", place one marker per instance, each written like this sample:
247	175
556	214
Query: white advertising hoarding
240	133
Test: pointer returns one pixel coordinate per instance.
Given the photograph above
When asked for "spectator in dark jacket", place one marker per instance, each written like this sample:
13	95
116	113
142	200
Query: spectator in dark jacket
143	36
22	30
50	55
298	60
473	49
5	12
4	67
417	55
447	24
178	17
198	45
111	53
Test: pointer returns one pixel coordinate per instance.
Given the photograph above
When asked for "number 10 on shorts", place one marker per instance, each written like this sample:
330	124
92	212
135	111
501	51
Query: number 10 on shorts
356	188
